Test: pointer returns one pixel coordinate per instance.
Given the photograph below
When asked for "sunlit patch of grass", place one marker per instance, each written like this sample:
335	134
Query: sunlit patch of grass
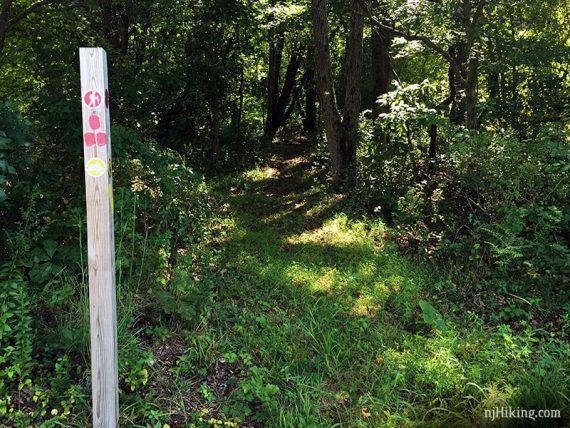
367	268
372	298
366	306
325	280
299	274
258	174
336	231
310	276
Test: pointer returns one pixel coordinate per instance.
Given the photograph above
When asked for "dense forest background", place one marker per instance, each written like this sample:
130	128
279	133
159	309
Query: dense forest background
437	127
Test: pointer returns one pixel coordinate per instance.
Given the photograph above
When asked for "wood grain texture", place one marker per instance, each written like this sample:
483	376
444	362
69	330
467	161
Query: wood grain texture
101	245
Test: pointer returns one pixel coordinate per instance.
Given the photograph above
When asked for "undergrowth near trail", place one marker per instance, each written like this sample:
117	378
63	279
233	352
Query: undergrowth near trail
293	312
351	333
315	319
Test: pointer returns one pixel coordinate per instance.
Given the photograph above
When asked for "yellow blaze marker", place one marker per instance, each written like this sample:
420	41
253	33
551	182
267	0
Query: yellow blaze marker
95	167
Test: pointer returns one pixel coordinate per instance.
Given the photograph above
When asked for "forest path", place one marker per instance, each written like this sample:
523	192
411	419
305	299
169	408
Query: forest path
314	316
315	295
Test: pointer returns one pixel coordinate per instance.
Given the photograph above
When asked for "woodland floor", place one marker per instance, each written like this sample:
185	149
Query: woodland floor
313	320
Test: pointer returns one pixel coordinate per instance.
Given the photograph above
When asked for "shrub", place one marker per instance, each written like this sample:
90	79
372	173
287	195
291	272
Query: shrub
161	208
491	200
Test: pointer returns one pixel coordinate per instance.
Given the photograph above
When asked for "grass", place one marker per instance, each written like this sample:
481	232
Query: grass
296	312
320	313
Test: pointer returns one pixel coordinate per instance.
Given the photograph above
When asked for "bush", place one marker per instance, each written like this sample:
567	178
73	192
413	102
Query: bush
491	200
162	207
13	155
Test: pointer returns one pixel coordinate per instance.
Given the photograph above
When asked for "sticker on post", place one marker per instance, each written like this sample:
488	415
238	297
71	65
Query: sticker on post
94	121
90	137
95	167
92	99
101	139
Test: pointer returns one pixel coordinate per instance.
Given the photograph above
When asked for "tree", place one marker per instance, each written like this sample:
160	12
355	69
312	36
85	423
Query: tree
9	19
380	43
310	110
281	100
286	39
461	56
340	130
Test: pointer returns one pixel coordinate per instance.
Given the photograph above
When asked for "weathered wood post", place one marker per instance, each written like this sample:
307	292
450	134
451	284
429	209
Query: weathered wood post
100	236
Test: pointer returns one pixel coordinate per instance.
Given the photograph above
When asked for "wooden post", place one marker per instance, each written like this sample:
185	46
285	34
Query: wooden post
100	236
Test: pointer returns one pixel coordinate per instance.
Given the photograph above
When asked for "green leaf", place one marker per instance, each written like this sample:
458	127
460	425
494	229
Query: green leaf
50	247
431	316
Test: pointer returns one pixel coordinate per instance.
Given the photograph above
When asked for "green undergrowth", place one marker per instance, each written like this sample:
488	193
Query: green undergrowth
350	332
315	319
293	312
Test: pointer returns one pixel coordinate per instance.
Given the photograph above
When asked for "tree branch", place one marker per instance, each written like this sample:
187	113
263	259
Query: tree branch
478	13
33	8
416	37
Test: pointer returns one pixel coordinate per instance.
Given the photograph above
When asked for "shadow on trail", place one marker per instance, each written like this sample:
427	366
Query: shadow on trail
286	200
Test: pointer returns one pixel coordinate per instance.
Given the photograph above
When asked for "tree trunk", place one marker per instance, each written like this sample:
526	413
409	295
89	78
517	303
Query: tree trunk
215	124
353	94
381	67
493	82
457	113
341	132
215	128
289	83
432	151
124	39
109	23
469	17
471	95
278	98
381	72
310	119
4	15
240	106
273	78
325	85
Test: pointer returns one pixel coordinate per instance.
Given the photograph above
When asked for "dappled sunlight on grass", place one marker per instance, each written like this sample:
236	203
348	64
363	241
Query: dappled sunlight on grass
260	174
366	306
311	277
335	231
330	307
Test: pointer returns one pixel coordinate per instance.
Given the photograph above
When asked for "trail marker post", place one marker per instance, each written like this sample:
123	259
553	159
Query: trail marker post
100	236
